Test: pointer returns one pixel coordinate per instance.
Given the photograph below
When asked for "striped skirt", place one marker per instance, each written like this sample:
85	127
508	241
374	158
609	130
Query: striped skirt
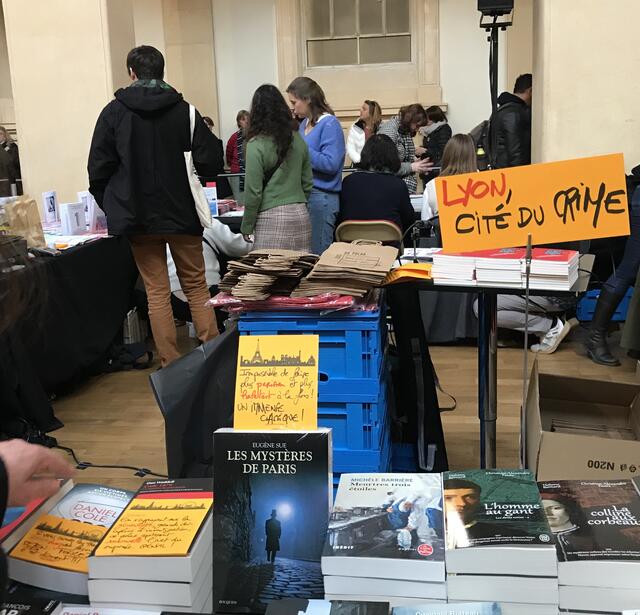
287	227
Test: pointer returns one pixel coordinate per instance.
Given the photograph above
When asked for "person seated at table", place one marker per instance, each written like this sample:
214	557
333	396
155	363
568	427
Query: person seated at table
218	243
376	192
436	133
459	156
547	319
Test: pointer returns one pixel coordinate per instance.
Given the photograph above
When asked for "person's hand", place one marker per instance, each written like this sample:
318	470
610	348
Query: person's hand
421	166
33	471
248	238
420	151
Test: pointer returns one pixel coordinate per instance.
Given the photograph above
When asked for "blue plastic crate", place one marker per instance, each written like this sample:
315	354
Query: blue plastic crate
376	460
587	306
356	426
352	347
385	466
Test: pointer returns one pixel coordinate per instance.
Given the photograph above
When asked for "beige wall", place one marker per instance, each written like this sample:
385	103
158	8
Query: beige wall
240	68
585	100
190	56
6	93
519	40
60	90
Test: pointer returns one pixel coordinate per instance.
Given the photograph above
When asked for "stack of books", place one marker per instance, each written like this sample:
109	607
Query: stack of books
386	540
596	526
500	267
552	269
348	269
499	546
273	496
50	548
454	269
158	555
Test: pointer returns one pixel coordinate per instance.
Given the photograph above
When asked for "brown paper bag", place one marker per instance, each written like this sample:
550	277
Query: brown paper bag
23	218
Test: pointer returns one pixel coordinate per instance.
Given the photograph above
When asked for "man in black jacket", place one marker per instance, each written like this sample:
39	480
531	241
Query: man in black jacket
137	175
511	126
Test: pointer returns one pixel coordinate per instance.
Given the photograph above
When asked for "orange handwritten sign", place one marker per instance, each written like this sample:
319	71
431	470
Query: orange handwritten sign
553	202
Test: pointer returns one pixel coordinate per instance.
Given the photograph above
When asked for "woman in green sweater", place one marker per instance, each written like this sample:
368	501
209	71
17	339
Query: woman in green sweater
278	176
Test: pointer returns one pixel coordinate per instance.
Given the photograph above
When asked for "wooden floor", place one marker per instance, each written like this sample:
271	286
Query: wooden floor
114	418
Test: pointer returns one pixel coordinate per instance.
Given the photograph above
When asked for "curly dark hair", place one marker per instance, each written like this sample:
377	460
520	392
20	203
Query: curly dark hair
270	116
380	154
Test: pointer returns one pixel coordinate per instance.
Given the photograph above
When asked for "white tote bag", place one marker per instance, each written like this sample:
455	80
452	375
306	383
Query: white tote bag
197	191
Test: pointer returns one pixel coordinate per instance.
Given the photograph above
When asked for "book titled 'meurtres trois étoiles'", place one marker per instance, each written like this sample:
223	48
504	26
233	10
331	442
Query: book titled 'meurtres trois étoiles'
272	501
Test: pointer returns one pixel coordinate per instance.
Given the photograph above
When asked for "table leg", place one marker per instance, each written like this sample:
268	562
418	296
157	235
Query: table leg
487	377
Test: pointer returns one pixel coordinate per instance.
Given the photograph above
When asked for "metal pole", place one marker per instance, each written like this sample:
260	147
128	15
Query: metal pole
487	377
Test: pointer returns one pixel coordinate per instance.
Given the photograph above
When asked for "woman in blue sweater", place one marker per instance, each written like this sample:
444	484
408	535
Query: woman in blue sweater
324	137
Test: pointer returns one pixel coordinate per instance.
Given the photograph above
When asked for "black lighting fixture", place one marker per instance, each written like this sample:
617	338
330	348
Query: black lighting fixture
495	15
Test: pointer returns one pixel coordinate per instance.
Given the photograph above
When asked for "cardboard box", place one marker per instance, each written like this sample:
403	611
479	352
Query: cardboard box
581	428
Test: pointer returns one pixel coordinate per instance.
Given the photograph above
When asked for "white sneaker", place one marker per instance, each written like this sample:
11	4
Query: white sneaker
554	336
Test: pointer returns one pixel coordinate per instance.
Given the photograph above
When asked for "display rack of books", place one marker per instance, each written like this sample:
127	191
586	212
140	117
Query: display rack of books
352	383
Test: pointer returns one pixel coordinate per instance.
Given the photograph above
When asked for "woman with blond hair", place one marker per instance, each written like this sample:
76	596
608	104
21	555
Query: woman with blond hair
324	137
459	157
366	126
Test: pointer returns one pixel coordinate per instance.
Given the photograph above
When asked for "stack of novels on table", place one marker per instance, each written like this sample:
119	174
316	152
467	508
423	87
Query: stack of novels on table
51	547
596	525
158	555
500	267
348	269
386	540
498	543
273	496
552	269
454	269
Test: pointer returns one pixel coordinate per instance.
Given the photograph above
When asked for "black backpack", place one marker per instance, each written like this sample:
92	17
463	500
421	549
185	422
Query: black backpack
485	141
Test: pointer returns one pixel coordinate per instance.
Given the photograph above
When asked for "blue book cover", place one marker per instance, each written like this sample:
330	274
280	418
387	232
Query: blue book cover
462	608
272	497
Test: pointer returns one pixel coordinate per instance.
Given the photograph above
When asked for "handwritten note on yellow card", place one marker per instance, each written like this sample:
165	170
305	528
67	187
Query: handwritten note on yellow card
277	382
158	527
60	543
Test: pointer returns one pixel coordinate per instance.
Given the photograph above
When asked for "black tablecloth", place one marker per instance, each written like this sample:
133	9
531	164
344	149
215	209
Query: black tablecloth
86	293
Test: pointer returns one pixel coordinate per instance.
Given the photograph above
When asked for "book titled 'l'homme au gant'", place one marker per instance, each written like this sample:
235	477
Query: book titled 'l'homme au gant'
273	494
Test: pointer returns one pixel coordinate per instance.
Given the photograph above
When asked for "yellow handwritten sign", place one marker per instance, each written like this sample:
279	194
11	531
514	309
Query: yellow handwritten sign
277	382
60	543
553	202
156	526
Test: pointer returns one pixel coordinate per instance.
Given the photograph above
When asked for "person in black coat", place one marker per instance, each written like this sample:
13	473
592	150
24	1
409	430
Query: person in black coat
437	133
376	192
10	148
273	532
511	126
138	177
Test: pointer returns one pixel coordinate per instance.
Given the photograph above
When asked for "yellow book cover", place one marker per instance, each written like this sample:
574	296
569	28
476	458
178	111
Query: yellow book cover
60	543
162	520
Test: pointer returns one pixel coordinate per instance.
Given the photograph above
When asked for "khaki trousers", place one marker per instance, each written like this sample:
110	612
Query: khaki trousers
150	254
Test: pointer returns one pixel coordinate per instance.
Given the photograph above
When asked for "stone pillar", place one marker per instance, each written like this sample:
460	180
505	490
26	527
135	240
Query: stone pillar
585	95
66	59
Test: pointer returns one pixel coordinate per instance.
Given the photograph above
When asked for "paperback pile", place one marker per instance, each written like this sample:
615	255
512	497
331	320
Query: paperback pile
499	545
454	269
262	273
273	494
552	269
386	539
158	555
55	544
501	267
348	269
596	526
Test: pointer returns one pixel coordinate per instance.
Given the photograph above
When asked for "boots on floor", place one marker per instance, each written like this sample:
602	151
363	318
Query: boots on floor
596	344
